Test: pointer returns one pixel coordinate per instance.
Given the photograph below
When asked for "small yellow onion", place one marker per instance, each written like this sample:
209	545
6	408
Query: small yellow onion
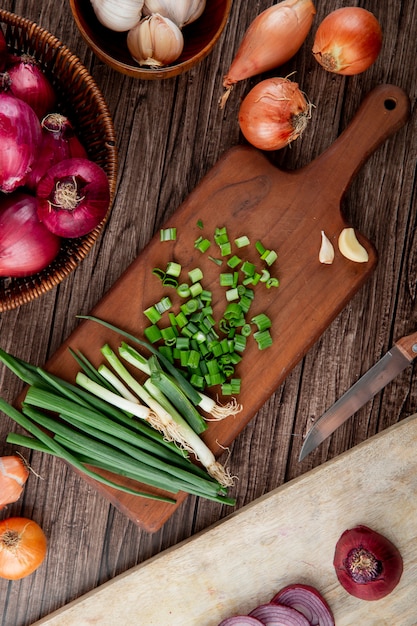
181	12
156	41
273	114
118	15
14	473
348	41
271	40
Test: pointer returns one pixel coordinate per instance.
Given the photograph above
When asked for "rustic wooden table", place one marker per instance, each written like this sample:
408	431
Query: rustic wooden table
170	133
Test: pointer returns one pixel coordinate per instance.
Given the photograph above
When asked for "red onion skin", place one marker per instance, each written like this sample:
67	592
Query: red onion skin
26	245
240	620
308	601
383	550
85	214
57	144
278	615
29	83
20	138
3	51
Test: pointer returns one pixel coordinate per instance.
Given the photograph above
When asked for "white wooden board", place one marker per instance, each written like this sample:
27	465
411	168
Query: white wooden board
284	537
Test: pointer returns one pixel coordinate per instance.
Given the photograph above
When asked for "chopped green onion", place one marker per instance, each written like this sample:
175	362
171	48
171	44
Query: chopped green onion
242	241
168	234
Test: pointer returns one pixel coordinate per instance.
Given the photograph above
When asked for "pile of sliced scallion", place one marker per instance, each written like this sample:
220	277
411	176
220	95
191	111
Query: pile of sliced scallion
208	350
109	421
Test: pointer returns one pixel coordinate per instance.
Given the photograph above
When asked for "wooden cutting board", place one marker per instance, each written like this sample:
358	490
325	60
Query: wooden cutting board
286	211
286	536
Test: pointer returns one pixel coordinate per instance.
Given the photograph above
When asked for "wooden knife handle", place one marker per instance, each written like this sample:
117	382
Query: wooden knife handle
408	346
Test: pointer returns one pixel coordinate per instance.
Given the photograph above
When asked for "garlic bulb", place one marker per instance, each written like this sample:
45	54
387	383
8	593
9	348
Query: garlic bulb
155	41
182	12
118	15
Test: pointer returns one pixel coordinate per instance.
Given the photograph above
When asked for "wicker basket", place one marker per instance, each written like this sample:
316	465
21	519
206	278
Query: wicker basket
82	102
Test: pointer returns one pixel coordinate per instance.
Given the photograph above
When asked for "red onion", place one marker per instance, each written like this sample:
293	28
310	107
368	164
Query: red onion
240	620
26	245
59	142
20	138
3	51
28	82
74	197
308	601
367	564
278	615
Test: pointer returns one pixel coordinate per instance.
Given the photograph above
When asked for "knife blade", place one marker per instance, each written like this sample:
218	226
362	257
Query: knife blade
400	356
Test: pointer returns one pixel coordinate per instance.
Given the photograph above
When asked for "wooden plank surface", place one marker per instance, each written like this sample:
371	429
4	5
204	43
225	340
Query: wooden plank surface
170	134
286	536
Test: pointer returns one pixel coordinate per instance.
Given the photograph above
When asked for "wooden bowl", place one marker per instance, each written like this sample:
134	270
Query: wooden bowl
82	102
111	48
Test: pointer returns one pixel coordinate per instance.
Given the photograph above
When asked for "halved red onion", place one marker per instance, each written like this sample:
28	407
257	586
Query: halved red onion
59	142
26	245
308	601
73	197
28	82
240	620
278	615
20	139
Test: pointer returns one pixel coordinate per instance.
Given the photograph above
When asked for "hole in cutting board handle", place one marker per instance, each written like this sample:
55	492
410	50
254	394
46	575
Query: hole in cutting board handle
390	104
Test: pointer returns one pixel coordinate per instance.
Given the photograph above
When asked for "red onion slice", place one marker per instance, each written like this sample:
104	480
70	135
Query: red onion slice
240	620
308	601
278	615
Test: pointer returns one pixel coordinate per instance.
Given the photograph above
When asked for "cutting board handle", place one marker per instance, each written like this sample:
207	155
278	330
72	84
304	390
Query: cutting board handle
383	111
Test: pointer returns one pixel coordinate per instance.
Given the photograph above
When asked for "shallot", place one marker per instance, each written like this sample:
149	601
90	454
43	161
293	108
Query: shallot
73	197
20	138
274	113
14	473
271	40
368	565
348	41
26	245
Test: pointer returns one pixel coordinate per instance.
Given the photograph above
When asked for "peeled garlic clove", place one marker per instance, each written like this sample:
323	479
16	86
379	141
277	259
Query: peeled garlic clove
155	41
181	12
326	254
350	247
118	15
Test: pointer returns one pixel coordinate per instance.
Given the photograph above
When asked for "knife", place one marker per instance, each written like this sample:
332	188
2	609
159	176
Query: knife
400	356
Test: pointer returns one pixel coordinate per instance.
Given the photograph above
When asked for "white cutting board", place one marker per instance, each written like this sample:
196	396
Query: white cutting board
286	536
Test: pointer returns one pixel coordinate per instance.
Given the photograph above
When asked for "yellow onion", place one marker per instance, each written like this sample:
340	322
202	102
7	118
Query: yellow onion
271	40
273	114
156	41
348	41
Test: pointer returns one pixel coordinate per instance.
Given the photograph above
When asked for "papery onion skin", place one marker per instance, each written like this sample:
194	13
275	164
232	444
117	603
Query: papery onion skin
23	547
348	41
308	601
14	473
362	545
26	245
20	138
271	40
278	615
273	114
73	197
28	82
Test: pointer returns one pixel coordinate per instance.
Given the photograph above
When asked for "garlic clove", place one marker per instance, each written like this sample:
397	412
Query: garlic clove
350	247
118	15
326	254
156	41
181	12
